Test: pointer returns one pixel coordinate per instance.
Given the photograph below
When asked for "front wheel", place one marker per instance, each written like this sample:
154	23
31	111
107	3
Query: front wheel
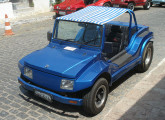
146	58
147	5
131	6
55	16
94	100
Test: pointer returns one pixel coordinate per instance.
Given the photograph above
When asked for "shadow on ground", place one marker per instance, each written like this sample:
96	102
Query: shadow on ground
64	109
150	107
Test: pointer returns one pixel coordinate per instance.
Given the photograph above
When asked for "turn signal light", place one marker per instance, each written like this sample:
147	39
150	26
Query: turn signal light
73	102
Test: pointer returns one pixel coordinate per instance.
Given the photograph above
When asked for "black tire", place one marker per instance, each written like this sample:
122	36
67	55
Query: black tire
160	5
55	16
146	58
94	100
147	5
107	5
131	6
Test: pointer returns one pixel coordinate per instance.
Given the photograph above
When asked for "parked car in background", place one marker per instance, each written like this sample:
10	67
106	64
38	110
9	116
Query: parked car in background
87	52
70	6
158	2
131	3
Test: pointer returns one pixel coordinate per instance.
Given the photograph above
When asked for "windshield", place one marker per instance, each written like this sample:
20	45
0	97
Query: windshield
82	33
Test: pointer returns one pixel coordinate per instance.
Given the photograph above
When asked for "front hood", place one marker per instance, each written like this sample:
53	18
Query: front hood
70	3
59	61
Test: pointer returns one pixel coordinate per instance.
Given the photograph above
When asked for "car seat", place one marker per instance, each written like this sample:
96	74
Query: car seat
114	41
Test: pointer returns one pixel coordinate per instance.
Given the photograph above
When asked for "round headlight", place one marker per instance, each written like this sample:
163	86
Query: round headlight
57	7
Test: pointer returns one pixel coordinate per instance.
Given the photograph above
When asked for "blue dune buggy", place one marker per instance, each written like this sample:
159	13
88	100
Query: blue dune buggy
87	52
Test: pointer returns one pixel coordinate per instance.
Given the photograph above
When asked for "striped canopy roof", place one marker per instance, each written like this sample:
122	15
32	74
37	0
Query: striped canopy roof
95	14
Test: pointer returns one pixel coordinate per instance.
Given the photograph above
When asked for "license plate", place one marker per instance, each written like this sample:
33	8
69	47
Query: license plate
115	5
62	13
43	95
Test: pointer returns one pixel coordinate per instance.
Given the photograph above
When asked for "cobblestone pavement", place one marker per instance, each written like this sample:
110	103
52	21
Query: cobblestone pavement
16	103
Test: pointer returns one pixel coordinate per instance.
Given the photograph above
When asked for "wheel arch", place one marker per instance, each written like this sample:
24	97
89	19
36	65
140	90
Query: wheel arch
107	76
108	3
144	44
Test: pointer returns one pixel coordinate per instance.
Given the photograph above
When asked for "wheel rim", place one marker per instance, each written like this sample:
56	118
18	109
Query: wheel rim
148	56
148	4
100	96
131	6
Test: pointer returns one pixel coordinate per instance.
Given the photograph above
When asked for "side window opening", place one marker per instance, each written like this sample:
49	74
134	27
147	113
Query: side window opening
116	39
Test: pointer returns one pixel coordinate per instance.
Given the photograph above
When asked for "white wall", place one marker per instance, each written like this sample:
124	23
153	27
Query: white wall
41	6
6	8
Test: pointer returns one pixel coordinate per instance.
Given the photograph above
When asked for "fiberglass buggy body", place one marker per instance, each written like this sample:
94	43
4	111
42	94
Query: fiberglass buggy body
87	52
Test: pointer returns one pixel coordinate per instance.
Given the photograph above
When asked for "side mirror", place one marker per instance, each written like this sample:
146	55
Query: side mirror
49	35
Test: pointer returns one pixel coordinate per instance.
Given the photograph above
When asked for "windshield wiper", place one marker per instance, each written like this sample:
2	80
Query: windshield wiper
70	40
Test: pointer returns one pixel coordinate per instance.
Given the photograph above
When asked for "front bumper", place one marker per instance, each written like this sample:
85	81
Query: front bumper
64	12
55	96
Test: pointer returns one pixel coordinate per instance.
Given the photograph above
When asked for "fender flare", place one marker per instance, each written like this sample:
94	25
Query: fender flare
90	75
144	44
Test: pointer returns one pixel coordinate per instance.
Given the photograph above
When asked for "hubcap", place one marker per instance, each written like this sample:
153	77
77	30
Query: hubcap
148	56
100	96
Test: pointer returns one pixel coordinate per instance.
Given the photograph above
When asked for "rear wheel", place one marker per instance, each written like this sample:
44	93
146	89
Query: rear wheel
131	6
147	5
146	58
94	101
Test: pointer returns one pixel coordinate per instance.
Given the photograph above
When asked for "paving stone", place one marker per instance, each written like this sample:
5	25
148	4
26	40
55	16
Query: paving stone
61	118
10	117
43	118
11	97
23	109
5	107
4	100
15	105
22	115
13	111
3	113
33	113
30	118
53	116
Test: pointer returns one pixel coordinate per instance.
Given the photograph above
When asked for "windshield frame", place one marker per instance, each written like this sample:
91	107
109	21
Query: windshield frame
81	44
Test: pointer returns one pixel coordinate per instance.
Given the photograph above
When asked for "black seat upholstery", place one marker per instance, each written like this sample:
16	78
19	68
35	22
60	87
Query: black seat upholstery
116	37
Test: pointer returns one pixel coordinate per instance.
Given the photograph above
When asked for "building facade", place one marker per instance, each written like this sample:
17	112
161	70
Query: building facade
16	8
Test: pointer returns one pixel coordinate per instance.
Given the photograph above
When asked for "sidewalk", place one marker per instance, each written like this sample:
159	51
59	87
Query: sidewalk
145	101
28	19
